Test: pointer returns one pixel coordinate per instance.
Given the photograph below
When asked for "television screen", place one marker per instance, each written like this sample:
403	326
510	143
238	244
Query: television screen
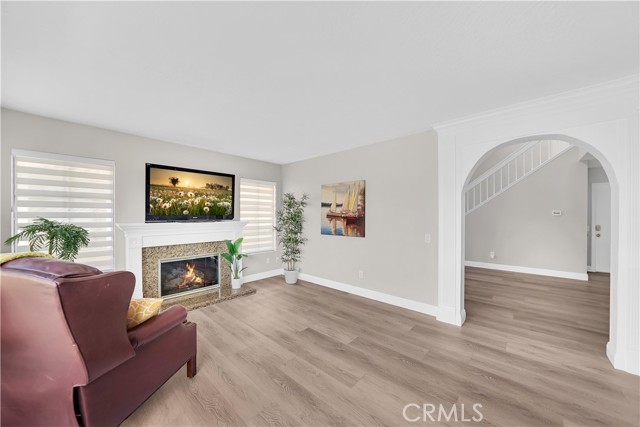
179	194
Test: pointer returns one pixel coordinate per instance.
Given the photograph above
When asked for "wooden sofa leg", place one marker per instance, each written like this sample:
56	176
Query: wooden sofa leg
191	367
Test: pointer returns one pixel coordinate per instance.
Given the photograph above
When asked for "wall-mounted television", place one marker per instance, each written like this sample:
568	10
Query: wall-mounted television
181	194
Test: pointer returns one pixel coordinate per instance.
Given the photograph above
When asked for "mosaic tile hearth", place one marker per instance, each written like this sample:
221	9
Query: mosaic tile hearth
151	257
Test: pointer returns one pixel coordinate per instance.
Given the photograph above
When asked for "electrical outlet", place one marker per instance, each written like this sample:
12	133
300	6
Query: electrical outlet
268	260
360	274
492	255
427	238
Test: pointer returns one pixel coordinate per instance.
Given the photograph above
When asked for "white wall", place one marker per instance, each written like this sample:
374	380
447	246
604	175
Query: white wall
401	206
518	226
30	132
595	175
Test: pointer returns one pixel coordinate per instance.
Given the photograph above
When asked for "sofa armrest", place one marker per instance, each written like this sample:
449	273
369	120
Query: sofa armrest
153	328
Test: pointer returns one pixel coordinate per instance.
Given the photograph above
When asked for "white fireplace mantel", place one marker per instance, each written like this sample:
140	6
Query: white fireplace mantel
145	235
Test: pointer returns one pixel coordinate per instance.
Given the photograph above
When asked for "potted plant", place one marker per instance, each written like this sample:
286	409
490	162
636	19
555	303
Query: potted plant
289	229
233	257
63	241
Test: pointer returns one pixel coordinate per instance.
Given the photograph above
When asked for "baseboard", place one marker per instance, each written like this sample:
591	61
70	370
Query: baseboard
633	365
529	270
451	316
625	361
420	307
611	353
264	275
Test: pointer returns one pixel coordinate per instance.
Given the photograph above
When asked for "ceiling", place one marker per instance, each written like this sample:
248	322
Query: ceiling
287	81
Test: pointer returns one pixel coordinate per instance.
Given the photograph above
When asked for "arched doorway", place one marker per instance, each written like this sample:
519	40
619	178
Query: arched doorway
510	233
603	118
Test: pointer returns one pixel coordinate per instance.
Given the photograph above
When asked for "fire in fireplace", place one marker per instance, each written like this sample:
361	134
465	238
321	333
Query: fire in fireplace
188	274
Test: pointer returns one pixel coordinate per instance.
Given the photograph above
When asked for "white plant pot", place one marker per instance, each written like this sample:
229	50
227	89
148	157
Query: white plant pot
291	276
236	283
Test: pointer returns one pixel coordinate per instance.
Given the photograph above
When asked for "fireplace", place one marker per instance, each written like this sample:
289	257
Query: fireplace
186	275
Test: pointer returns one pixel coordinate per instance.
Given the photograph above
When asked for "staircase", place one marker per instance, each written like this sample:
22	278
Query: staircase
513	169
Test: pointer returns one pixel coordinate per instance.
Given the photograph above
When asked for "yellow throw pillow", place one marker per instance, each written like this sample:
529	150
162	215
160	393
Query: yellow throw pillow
141	310
10	257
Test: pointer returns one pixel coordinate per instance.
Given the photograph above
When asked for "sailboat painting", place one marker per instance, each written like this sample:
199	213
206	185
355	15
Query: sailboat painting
343	209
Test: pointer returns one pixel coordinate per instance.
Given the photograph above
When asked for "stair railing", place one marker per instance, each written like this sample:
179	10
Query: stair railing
511	170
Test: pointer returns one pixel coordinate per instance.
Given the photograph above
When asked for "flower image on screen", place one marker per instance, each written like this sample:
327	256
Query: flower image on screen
176	193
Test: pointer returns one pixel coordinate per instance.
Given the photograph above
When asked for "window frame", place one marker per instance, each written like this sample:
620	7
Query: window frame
43	155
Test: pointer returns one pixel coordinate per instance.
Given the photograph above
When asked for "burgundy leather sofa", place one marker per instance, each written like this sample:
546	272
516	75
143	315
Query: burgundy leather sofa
67	357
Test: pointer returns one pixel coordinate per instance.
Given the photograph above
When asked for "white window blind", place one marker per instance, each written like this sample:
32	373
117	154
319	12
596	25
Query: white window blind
67	189
258	207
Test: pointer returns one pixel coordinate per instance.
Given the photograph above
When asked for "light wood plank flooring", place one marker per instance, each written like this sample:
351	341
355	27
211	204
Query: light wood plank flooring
532	352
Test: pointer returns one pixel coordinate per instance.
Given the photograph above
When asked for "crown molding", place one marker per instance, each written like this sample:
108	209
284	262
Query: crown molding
625	87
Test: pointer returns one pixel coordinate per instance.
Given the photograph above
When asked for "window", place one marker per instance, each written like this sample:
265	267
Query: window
67	189
258	207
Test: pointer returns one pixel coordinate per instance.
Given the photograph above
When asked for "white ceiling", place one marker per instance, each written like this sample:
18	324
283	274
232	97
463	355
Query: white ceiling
287	81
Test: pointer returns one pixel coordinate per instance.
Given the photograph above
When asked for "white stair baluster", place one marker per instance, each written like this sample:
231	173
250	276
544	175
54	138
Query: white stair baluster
473	201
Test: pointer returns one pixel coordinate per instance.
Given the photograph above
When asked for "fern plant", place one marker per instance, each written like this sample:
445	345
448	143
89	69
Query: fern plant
289	228
63	241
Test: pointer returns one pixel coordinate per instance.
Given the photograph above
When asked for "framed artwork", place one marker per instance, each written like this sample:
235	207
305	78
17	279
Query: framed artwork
342	209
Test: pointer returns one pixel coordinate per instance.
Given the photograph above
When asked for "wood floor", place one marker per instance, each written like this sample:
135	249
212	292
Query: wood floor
532	353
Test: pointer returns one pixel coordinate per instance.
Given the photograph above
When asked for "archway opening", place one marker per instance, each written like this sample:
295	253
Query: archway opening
534	229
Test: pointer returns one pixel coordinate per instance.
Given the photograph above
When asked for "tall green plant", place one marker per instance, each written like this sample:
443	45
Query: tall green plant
63	241
233	257
289	228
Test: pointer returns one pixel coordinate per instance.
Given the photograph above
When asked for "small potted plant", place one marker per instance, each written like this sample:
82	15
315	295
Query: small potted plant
289	228
233	257
61	240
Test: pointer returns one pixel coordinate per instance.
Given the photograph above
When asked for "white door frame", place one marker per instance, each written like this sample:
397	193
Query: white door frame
594	252
601	119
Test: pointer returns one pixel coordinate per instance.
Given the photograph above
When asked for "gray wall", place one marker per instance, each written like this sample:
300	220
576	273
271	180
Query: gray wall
594	175
519	227
30	132
401	205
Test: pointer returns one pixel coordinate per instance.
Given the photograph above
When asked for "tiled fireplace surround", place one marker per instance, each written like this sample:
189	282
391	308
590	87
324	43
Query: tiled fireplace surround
148	243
